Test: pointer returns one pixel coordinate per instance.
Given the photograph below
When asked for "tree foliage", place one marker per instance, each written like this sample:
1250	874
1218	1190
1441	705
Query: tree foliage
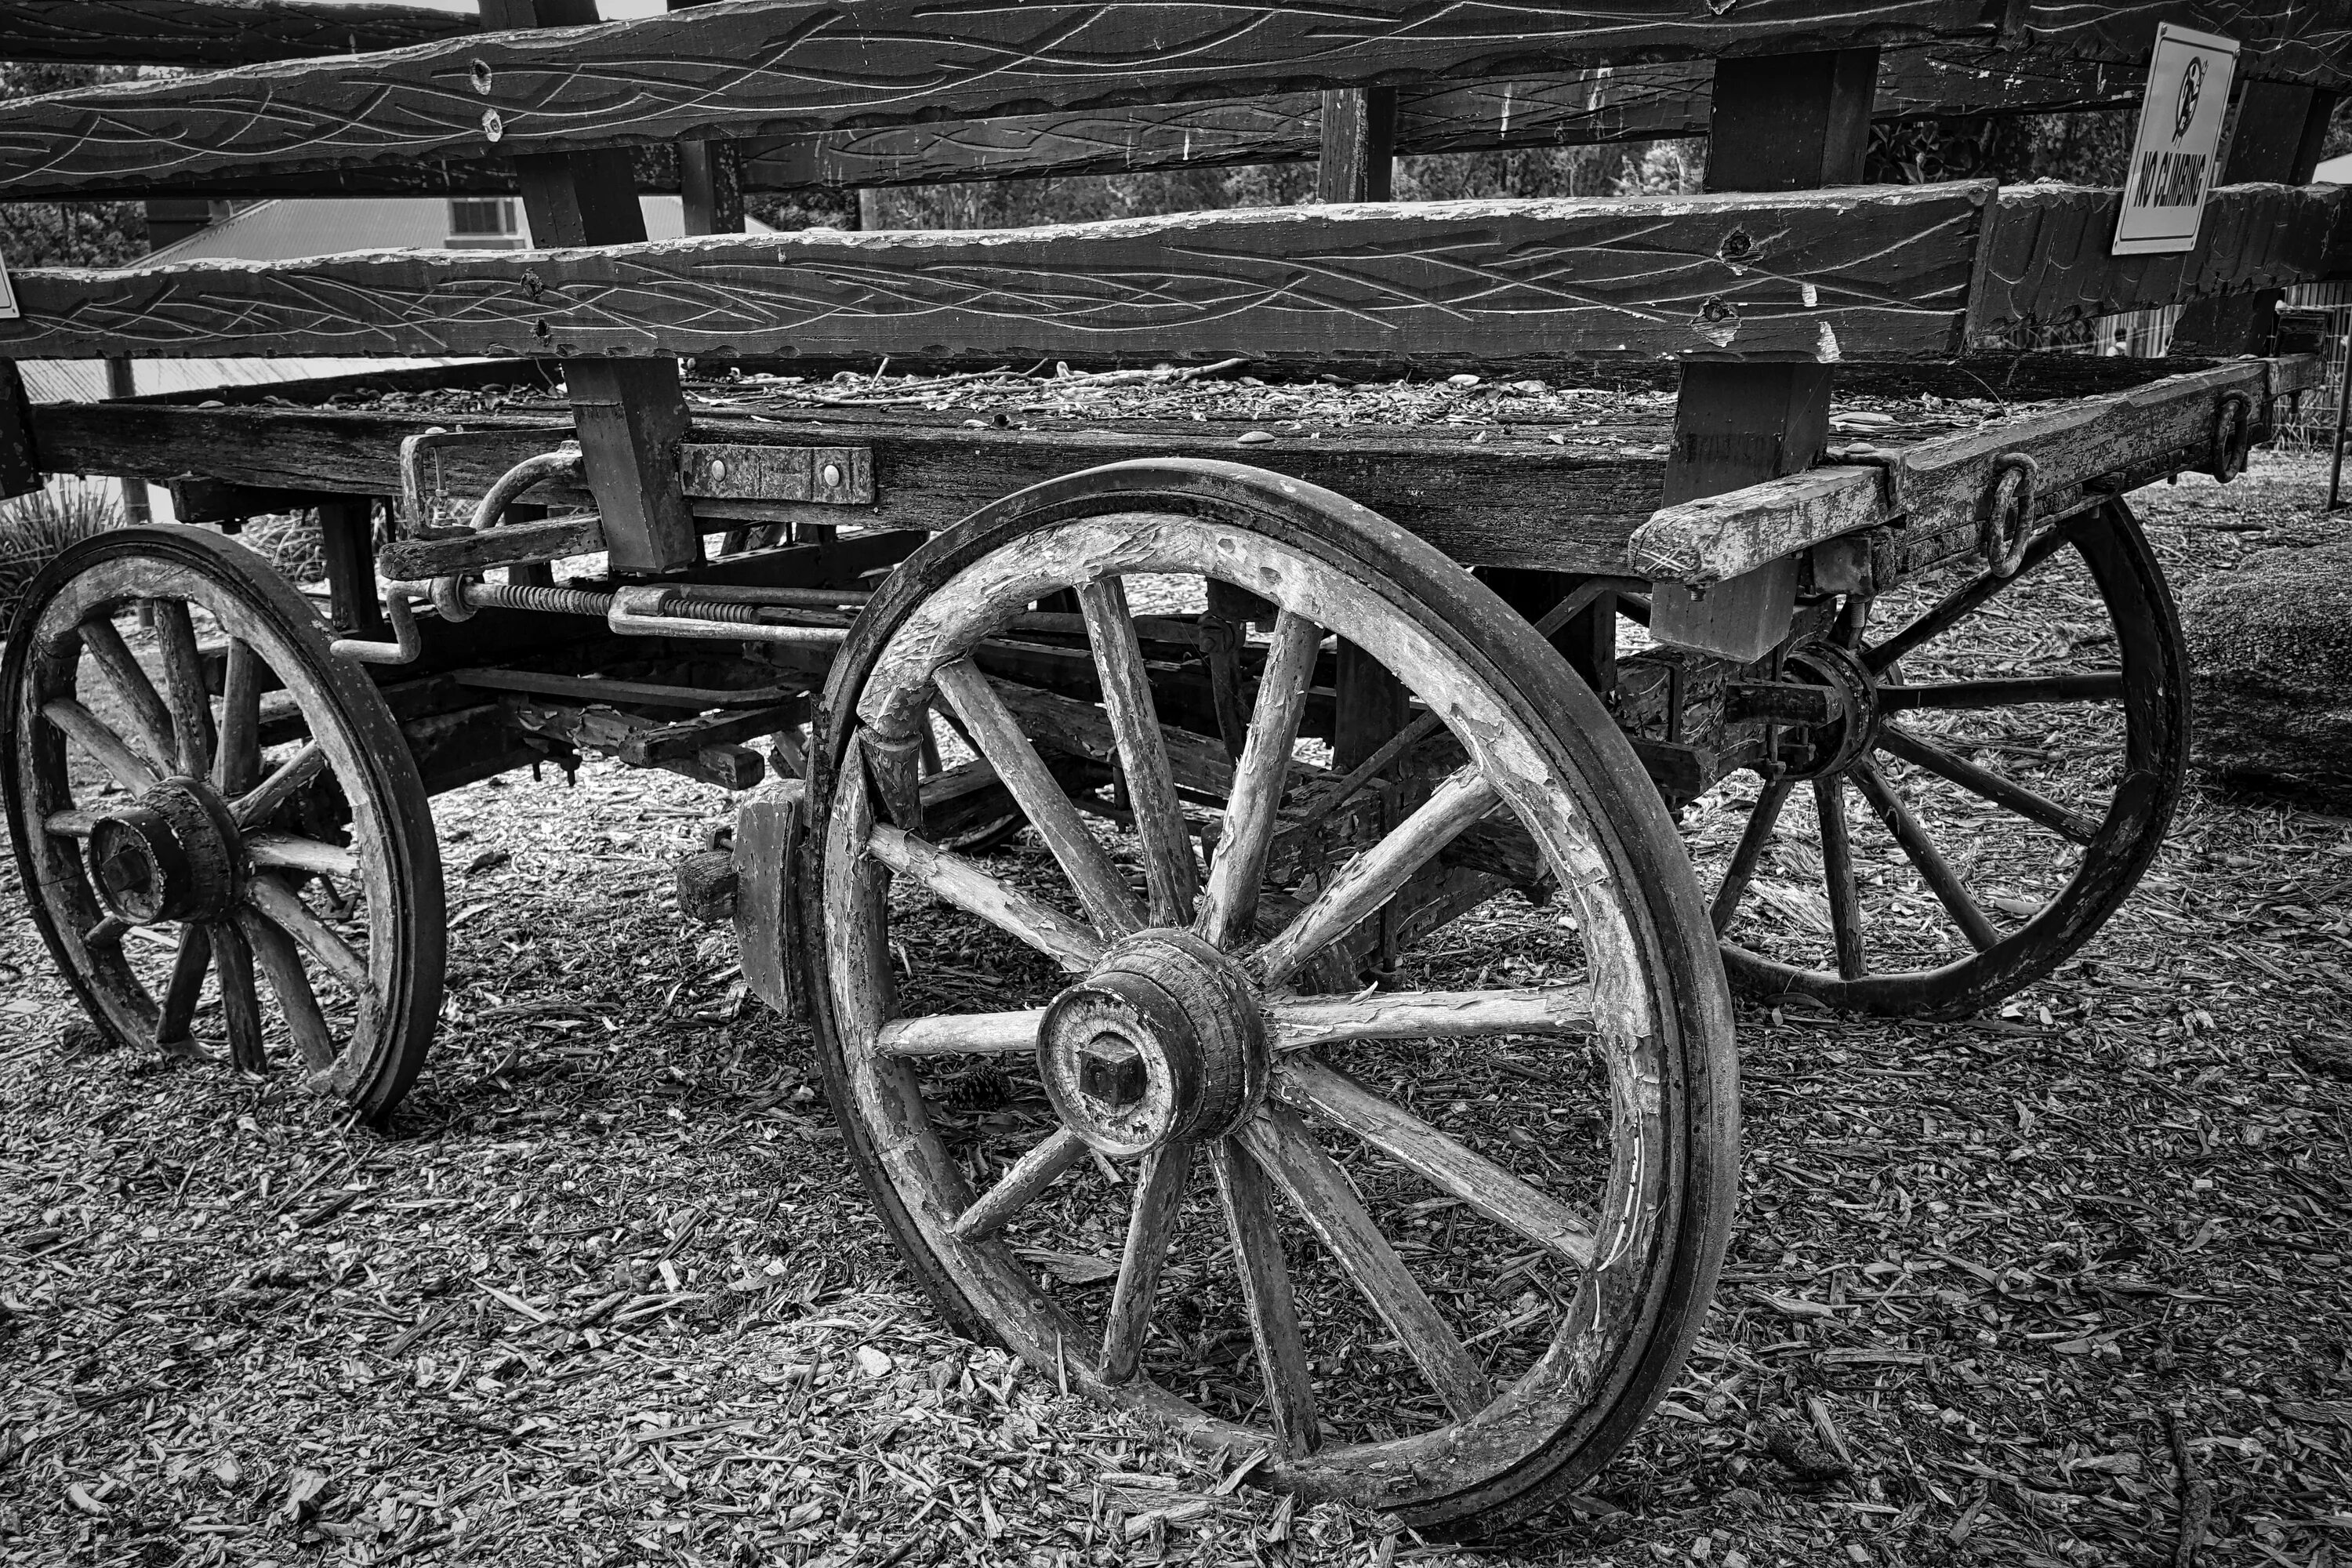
68	234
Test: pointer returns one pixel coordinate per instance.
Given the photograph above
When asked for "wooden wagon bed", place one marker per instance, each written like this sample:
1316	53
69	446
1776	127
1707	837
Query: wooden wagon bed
1515	470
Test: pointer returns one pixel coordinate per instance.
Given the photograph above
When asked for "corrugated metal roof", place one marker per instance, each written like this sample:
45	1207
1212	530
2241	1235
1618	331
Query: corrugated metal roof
84	380
2335	172
293	226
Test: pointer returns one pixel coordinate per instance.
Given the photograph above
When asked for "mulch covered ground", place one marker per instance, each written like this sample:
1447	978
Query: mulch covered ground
608	1293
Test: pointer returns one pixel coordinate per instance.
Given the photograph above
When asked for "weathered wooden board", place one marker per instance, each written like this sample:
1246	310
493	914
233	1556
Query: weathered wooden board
1879	271
1475	500
1638	103
2309	41
772	67
214	32
1937	490
1623	103
2046	261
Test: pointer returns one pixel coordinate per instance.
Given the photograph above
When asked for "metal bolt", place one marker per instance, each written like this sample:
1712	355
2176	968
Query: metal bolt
1112	1071
717	469
832	475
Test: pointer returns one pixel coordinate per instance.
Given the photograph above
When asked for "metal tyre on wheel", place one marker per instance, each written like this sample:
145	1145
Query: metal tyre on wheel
219	813
1434	1250
2025	740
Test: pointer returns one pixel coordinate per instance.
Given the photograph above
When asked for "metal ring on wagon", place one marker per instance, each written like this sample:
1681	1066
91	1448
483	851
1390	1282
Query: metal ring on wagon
450	598
2009	512
2232	439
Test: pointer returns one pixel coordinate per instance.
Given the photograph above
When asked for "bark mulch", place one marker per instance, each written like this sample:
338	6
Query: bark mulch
606	1293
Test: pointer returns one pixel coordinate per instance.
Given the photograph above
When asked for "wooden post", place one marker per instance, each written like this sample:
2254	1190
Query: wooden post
631	413
347	539
120	382
2278	136
20	470
709	176
1782	122
1356	165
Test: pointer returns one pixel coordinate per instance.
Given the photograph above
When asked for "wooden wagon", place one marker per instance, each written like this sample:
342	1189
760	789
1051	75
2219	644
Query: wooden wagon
1285	711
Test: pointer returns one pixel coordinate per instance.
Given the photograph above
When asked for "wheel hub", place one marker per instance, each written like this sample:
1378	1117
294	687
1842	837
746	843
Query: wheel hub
1853	728
1163	1043
172	854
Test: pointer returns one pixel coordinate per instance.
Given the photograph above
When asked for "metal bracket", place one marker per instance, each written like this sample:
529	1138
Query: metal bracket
20	469
739	471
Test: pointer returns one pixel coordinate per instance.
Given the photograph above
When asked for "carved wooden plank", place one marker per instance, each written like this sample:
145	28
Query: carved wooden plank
1875	271
214	32
2046	260
769	66
1622	103
2306	43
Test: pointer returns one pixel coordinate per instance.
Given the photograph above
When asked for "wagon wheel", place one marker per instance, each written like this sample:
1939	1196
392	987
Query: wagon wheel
175	840
2048	710
1449	1315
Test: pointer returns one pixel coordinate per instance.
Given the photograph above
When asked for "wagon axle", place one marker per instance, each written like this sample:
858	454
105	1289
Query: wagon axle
173	855
1164	1042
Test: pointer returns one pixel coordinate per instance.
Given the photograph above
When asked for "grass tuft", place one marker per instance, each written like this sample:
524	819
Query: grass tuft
35	529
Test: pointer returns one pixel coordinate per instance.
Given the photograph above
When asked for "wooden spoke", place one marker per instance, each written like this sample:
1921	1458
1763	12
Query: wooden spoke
109	750
1151	1225
187	985
1737	875
285	852
1229	908
284	908
997	736
2070	686
1372	877
1031	1174
962	1034
149	716
1168	865
1436	1157
108	932
1301	1021
1266	1290
240	1003
283	965
1933	869
1837	870
1959	605
1982	780
1327	1200
184	684
237	768
968	885
284	780
69	824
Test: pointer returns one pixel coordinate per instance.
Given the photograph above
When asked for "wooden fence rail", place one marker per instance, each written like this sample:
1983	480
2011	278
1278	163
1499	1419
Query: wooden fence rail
1862	272
214	32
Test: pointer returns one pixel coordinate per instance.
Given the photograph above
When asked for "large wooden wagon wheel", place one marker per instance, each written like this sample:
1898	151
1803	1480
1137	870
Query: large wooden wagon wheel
1436	1248
2044	713
228	817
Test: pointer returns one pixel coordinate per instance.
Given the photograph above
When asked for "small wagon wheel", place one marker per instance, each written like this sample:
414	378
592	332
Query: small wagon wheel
234	804
1464	1236
2047	711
